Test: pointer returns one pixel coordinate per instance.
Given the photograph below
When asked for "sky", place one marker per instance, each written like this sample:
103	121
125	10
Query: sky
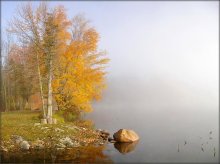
176	41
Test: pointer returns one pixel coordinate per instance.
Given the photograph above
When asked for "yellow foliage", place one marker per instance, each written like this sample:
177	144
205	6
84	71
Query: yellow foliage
80	76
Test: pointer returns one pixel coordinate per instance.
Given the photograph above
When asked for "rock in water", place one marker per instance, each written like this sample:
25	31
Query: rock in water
24	145
124	135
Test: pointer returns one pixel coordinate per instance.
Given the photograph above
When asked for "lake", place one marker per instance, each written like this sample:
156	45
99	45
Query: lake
176	122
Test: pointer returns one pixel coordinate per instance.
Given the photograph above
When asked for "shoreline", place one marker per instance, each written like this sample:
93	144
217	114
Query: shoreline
24	132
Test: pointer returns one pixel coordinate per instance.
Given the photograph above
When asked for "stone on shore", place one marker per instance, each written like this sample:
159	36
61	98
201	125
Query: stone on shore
104	134
68	142
24	145
124	135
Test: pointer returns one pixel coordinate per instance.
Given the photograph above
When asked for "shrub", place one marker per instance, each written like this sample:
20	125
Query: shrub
68	116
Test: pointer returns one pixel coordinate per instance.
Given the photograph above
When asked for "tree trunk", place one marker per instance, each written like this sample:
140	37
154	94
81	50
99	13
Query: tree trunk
5	98
41	87
50	96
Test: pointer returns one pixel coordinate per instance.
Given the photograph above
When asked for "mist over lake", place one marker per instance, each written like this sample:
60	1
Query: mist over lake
166	113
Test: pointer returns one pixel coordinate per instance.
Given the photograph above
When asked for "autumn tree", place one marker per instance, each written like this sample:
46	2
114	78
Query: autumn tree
79	78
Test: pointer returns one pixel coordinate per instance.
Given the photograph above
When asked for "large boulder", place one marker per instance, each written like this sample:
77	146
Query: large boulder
124	135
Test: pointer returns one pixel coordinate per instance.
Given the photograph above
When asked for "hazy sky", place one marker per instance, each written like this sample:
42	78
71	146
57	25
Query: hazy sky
176	40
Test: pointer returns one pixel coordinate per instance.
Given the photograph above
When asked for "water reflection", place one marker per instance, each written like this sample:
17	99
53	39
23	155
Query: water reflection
125	147
85	154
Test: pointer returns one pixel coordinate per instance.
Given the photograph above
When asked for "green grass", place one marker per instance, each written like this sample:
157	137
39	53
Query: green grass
22	123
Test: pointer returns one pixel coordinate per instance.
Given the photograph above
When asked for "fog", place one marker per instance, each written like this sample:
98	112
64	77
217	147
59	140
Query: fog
132	99
164	63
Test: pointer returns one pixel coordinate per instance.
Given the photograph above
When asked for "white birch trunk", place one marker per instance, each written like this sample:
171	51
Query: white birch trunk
50	96
41	87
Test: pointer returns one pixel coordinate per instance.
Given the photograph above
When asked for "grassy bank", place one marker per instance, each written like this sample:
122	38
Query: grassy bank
26	124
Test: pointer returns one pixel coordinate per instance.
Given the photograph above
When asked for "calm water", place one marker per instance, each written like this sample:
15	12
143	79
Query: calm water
176	122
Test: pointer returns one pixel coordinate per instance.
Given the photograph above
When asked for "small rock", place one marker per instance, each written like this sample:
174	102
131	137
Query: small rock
4	149
104	136
105	132
111	140
67	142
39	147
24	145
36	124
44	128
60	145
